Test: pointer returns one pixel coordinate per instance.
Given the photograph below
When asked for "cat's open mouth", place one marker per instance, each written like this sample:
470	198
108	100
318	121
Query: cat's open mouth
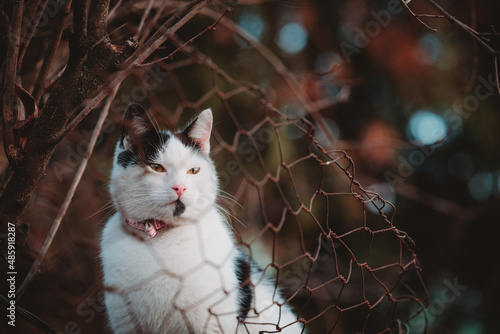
179	208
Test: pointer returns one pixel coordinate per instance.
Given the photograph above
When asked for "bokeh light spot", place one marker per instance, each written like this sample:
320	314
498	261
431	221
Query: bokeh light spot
496	177
426	127
481	186
252	23
430	49
292	37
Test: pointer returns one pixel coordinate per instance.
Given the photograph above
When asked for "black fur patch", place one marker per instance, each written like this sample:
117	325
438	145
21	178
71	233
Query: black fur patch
152	141
143	140
179	208
183	137
243	269
127	158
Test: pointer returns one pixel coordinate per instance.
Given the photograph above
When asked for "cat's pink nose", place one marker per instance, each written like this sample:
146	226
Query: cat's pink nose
179	189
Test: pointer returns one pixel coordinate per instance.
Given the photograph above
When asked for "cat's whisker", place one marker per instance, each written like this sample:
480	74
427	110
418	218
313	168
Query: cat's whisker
105	207
230	199
230	215
229	196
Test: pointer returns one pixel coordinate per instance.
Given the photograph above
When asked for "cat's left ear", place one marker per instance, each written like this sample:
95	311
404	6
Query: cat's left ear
199	130
136	123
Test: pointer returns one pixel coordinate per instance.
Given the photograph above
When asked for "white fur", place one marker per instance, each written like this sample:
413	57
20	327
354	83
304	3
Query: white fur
201	134
182	280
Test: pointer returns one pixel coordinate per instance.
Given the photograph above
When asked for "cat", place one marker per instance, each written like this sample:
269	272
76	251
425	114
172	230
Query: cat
170	264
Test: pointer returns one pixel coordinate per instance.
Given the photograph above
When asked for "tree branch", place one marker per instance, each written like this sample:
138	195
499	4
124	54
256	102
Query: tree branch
9	104
40	83
143	20
281	69
463	26
85	72
34	17
167	30
190	41
98	22
80	80
69	196
405	3
495	66
78	43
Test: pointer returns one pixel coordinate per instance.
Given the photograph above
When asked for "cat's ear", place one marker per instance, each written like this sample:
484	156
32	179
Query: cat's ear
136	123
199	130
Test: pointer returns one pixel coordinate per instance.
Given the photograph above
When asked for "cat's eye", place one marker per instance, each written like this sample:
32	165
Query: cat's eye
193	170
157	168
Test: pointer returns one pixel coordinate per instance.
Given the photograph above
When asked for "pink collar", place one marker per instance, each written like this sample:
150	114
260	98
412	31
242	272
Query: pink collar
149	226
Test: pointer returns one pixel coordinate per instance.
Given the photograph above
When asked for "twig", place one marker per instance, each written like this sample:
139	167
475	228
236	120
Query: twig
33	29
488	33
52	81
114	9
204	60
151	23
166	31
463	26
418	16
495	61
49	59
69	196
473	76
282	70
434	16
143	19
190	41
10	69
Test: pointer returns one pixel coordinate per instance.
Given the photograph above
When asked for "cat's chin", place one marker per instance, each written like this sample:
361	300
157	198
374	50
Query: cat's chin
180	208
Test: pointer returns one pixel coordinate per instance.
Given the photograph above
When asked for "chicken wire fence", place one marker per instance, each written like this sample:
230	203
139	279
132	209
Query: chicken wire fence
292	199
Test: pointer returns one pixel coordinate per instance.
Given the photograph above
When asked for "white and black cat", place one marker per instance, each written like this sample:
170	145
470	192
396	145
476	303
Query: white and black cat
169	260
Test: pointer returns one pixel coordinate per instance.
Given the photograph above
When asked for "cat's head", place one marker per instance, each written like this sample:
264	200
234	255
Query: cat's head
160	174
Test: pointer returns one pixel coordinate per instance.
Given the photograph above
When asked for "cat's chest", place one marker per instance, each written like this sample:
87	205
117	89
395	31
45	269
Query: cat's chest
175	252
185	268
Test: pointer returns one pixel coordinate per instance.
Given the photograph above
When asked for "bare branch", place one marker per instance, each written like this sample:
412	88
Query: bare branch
98	20
418	16
143	19
463	26
495	65
473	77
167	31
190	41
113	10
282	71
80	20
85	71
33	28
9	105
40	84
152	23
69	196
